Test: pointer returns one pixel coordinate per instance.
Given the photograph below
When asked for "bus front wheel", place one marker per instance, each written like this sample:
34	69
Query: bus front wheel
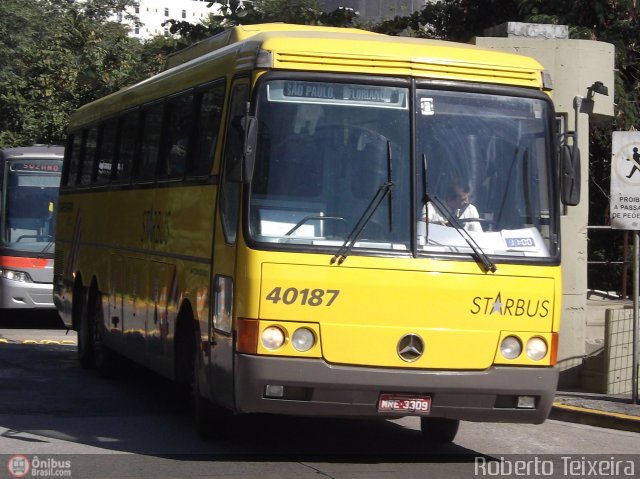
439	429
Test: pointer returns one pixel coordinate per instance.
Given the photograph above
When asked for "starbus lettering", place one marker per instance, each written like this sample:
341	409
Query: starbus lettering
514	307
155	226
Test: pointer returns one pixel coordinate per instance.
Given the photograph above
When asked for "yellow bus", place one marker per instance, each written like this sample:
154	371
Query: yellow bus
326	222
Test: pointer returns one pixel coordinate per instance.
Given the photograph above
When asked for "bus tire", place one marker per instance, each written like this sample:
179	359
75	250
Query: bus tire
103	357
439	429
85	330
206	414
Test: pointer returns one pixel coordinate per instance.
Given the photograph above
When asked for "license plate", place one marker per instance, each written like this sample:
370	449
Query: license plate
404	404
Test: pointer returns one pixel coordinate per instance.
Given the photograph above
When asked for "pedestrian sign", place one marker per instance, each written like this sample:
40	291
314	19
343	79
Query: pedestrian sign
624	205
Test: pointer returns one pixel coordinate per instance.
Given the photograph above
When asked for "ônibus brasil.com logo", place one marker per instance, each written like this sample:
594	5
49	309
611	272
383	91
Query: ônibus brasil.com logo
20	466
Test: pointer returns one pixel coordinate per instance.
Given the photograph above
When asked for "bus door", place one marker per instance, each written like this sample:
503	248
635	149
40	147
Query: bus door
224	255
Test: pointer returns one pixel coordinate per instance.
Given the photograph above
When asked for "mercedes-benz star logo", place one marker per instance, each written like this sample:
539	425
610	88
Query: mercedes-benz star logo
410	347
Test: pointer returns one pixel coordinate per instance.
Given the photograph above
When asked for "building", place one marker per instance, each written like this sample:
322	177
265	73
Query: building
153	13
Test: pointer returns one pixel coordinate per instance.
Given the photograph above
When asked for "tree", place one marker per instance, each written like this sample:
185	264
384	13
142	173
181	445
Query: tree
229	13
455	20
56	56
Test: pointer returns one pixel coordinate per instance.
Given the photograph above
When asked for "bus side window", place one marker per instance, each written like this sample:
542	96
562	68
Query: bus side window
87	170
209	111
74	153
234	140
179	116
150	142
128	144
107	150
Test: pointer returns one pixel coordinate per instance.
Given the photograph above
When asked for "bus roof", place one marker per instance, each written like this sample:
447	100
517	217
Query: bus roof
34	151
333	47
323	49
243	32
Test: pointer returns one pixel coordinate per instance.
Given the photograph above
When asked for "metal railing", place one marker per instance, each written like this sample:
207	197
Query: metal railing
609	276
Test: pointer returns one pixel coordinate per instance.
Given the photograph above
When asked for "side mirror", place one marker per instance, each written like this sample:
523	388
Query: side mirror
241	168
249	154
570	175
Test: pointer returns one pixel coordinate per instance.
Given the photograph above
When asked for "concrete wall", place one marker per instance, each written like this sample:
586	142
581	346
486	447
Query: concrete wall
574	66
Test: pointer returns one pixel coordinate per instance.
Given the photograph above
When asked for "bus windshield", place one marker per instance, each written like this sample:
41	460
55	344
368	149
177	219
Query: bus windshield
324	152
485	168
481	180
31	196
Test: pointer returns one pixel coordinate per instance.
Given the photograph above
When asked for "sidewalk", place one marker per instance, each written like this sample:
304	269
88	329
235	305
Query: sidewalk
610	411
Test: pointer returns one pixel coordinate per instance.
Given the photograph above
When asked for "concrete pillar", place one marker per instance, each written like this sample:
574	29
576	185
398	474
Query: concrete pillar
574	65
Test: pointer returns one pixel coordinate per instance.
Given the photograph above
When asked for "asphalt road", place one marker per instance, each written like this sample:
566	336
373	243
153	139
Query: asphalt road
140	425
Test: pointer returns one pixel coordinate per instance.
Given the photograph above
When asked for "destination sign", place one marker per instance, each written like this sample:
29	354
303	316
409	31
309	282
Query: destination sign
337	93
54	166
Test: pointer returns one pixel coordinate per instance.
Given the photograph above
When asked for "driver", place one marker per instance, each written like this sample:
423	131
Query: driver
457	199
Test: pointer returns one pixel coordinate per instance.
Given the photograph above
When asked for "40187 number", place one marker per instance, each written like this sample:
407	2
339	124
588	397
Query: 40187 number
305	297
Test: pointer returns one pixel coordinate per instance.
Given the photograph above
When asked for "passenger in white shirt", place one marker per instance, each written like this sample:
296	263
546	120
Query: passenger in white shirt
457	200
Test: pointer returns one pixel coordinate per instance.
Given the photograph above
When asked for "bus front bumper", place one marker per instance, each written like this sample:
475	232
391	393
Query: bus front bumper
312	387
23	295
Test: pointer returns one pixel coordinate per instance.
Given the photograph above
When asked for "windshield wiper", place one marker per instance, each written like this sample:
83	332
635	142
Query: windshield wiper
453	221
47	248
383	191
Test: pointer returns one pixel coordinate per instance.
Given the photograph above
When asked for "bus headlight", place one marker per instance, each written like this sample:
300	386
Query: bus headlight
15	275
303	339
511	347
272	338
536	348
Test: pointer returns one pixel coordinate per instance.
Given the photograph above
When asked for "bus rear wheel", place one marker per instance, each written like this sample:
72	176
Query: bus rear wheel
102	355
85	331
439	429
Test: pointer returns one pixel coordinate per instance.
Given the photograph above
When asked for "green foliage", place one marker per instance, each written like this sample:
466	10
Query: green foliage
229	13
455	20
56	56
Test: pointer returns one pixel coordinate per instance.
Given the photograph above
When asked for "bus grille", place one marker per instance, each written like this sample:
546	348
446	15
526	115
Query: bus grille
426	68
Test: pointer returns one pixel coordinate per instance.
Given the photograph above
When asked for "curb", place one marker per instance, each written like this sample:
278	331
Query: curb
63	342
593	417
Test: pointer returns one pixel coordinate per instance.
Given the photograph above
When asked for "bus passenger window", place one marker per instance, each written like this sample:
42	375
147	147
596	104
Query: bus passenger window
88	162
74	158
179	116
128	142
150	142
209	104
107	151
